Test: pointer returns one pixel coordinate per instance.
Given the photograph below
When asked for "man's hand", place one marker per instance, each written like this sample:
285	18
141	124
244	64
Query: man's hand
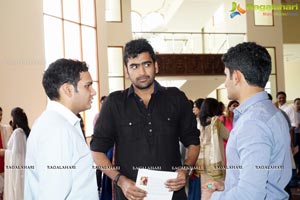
129	189
209	187
177	183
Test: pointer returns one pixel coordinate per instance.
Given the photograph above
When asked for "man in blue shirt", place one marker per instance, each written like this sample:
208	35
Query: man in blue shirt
258	149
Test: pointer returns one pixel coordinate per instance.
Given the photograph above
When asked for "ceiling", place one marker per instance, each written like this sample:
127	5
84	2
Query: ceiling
175	13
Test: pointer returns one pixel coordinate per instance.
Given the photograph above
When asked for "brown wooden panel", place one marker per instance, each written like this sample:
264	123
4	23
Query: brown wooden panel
190	64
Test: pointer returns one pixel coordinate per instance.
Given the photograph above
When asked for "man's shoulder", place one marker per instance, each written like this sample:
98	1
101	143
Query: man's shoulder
170	90
49	119
50	124
118	94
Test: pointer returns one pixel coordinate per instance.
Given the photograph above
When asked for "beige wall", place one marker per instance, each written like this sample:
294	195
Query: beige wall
269	36
22	57
102	35
111	34
292	80
291	29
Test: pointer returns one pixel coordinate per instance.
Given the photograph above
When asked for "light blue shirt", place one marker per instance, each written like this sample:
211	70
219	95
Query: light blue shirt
258	153
61	160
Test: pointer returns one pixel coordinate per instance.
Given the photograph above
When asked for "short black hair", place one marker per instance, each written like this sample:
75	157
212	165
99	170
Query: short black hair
280	93
134	47
297	99
252	60
62	71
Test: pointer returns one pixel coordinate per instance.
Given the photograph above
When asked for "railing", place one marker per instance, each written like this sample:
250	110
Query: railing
191	42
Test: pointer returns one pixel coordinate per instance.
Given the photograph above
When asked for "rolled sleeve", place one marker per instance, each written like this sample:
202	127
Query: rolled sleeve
189	134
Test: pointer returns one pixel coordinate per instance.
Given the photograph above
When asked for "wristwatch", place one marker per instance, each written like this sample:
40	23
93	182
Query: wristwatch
116	179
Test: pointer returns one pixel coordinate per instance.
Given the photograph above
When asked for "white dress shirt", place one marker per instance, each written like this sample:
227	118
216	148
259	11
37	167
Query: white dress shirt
290	110
60	165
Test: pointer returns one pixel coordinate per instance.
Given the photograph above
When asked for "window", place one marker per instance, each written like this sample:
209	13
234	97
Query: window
70	32
115	68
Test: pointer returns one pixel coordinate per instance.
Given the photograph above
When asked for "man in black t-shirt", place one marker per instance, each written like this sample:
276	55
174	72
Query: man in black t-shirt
146	122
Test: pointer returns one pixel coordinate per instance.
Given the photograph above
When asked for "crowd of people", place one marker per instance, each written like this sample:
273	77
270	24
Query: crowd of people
248	149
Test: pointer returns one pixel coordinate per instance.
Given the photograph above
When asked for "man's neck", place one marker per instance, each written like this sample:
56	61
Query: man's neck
248	92
145	94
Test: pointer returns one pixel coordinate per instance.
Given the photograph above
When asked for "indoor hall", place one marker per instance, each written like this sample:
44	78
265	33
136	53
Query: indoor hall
35	33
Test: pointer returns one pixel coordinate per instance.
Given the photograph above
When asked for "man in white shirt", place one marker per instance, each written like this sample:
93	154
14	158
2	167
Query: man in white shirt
58	160
289	109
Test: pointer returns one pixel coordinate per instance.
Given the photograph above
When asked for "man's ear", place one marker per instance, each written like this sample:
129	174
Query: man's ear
67	89
126	71
156	68
237	76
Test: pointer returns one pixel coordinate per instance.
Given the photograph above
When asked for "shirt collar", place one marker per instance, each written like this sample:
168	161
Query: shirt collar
283	105
242	108
64	111
157	87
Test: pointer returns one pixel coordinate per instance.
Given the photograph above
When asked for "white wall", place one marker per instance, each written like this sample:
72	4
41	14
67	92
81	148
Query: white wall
22	58
292	80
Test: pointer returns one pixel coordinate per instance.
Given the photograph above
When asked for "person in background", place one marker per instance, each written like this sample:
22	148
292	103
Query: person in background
258	150
82	125
145	123
221	109
290	110
15	156
56	147
288	187
5	133
196	110
194	187
211	159
297	138
227	119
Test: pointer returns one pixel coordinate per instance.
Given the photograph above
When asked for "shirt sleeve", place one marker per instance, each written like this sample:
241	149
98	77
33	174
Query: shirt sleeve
54	155
254	149
294	117
104	136
189	134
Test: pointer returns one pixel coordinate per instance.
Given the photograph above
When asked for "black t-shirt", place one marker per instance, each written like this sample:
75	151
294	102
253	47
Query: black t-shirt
145	137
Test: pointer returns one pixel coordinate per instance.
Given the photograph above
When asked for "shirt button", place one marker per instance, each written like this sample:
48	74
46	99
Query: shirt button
150	130
149	123
130	123
168	119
